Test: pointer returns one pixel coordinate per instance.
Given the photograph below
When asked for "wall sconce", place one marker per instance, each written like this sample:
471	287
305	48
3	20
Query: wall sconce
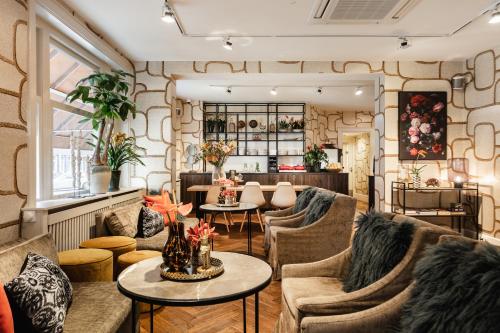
458	171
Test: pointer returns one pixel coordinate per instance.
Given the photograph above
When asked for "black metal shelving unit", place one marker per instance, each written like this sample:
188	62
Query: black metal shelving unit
269	111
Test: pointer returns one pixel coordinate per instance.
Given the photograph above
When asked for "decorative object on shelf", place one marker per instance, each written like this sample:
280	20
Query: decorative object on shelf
314	156
272	127
108	94
221	125
211	125
257	167
458	171
456	207
231	127
262	126
200	236
122	149
297	125
416	172
241	124
253	123
432	182
191	152
176	252
257	137
422	125
216	153
334	167
283	124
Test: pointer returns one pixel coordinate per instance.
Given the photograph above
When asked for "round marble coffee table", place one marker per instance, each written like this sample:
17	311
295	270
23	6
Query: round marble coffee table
242	207
243	276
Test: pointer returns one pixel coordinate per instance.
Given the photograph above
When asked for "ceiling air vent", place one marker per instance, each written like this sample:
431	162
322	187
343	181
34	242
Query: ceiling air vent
360	11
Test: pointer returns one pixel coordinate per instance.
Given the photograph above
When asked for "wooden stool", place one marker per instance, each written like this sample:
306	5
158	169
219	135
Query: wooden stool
116	244
87	265
130	258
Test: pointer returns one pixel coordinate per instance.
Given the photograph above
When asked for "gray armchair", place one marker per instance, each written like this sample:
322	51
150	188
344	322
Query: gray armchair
291	243
313	299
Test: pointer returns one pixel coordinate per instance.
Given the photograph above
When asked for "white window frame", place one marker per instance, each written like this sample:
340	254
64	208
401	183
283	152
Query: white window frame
47	35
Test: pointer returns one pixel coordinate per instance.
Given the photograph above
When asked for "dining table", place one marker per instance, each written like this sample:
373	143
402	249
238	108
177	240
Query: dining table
201	189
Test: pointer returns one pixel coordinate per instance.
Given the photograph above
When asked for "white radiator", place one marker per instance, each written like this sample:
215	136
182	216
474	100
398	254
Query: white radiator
71	225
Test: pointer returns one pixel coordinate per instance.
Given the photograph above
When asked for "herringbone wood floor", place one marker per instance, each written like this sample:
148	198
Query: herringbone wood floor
227	317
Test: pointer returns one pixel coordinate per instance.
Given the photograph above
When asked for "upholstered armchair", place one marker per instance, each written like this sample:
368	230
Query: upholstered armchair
292	243
313	299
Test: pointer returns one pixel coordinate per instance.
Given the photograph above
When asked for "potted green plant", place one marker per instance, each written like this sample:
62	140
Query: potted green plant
314	156
221	125
108	94
297	125
211	125
283	124
122	149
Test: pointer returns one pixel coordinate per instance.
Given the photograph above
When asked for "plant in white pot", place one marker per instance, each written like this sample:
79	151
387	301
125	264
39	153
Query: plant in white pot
108	94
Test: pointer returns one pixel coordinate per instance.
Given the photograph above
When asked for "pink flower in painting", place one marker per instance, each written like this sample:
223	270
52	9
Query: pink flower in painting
413	131
438	107
413	115
404	116
436	135
414	139
415	122
437	148
425	128
413	152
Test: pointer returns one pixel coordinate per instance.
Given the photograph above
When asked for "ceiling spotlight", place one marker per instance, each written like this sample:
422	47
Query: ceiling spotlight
273	92
167	14
229	90
228	45
495	18
358	91
403	43
319	90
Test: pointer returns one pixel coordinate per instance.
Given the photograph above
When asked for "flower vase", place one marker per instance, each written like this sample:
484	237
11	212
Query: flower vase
317	167
217	173
176	253
416	180
114	184
205	253
195	256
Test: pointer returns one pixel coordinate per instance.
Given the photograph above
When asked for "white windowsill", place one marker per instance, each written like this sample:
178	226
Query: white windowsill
61	203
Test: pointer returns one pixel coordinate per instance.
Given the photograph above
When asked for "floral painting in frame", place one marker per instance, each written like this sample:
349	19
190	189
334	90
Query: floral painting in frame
422	125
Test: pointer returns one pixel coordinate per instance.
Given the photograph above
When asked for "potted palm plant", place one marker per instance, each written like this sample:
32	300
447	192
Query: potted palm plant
108	94
122	149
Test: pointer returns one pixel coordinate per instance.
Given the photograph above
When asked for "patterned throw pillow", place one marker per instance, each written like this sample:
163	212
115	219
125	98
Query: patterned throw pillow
151	223
42	292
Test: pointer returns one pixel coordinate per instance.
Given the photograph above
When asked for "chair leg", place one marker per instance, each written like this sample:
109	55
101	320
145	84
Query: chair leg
226	221
260	220
231	219
243	222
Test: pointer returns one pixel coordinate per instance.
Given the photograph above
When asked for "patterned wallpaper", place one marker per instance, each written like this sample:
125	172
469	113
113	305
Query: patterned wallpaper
13	126
361	163
191	130
469	112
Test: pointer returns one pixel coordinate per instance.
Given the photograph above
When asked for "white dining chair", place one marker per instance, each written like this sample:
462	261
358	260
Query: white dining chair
284	196
213	198
252	193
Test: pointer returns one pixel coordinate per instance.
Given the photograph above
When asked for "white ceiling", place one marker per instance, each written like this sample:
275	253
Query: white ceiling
337	93
136	28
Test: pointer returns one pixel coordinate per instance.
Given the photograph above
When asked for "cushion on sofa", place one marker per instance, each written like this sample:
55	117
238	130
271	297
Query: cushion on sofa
304	198
456	289
123	221
378	246
97	307
318	207
6	319
151	223
42	293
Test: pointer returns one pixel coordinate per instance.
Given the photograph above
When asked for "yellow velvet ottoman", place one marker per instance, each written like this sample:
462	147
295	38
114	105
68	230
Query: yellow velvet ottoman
130	258
116	244
87	265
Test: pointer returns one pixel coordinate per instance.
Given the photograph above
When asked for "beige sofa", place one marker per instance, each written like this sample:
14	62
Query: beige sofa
154	243
312	296
331	234
97	307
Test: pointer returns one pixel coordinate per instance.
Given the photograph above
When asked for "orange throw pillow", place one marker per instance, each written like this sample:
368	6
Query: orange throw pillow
6	319
163	199
164	210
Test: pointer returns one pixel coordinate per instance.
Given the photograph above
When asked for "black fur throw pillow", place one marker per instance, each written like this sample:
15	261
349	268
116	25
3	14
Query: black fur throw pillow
304	198
318	207
41	295
378	246
457	289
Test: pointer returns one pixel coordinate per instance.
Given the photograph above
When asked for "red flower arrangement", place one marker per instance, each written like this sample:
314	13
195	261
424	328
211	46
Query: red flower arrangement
200	231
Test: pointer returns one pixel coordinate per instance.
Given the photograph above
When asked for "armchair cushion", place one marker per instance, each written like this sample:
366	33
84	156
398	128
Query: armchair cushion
304	198
318	207
457	289
378	246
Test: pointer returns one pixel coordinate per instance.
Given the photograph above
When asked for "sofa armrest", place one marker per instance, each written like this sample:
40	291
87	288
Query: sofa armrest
379	319
336	267
287	222
279	213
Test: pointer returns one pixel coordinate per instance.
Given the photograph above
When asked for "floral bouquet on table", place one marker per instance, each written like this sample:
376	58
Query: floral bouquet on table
217	152
200	237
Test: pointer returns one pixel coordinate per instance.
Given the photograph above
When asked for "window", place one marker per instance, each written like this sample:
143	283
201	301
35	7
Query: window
71	152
